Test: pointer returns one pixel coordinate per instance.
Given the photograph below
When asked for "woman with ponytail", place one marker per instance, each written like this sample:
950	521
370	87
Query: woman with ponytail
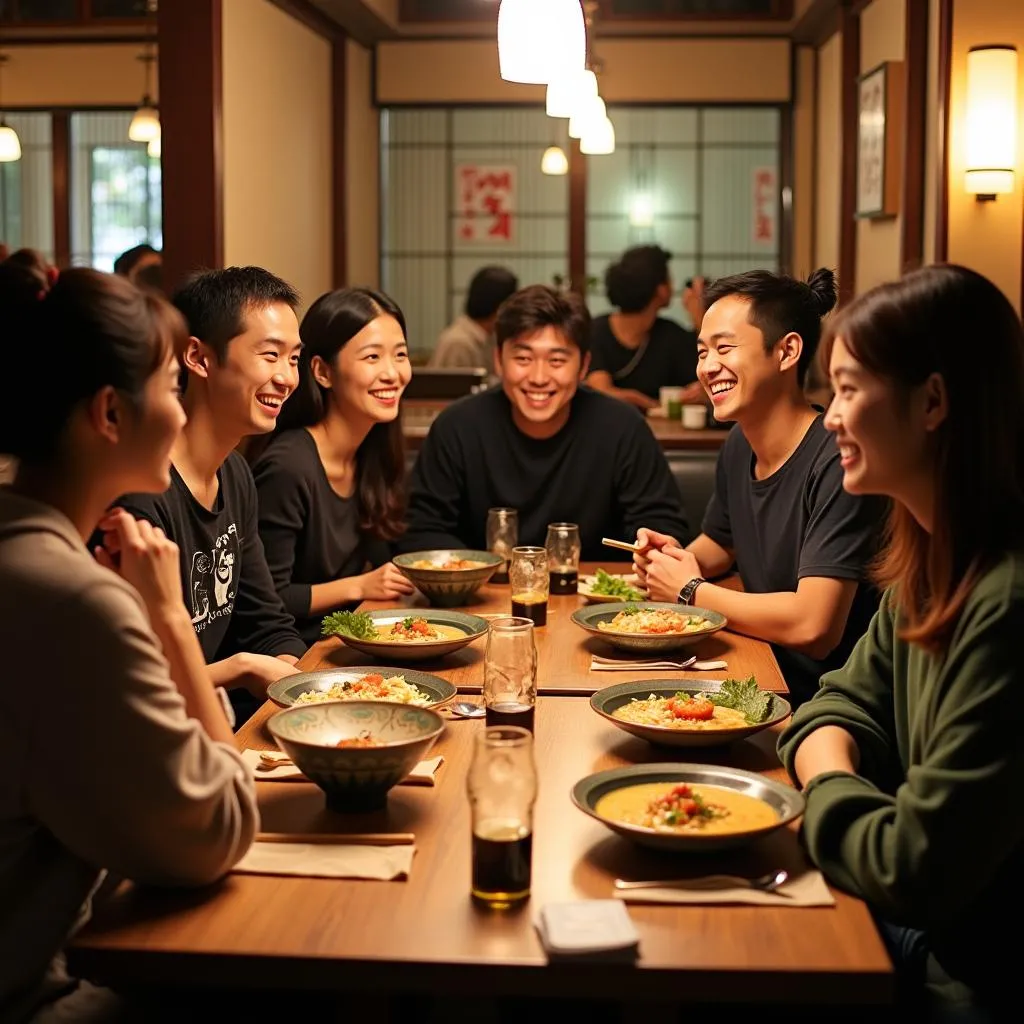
331	481
778	514
121	757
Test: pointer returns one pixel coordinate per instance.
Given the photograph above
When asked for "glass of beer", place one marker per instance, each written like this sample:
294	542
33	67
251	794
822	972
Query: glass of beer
502	537
510	672
528	575
502	788
563	547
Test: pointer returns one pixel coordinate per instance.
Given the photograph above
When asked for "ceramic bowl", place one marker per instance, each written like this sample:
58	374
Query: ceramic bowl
286	691
356	778
448	588
470	627
591	617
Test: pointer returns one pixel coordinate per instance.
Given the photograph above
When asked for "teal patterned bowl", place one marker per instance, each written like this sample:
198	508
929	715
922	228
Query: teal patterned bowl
448	588
356	778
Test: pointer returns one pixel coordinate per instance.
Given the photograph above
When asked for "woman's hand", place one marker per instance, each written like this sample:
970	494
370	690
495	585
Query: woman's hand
384	584
648	541
668	571
141	554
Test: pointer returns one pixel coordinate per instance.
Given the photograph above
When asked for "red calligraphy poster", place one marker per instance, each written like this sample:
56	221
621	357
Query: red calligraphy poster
485	204
764	221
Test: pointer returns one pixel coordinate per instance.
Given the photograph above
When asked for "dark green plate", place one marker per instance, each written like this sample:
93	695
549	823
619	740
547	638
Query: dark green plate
286	691
591	617
472	628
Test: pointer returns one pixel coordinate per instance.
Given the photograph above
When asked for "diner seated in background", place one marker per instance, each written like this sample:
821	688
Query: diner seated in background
694	300
118	755
240	365
331	480
469	339
142	265
778	514
34	261
910	755
634	352
541	443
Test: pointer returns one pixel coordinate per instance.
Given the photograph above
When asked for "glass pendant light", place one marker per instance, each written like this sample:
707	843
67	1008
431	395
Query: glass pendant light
541	40
566	94
145	124
10	144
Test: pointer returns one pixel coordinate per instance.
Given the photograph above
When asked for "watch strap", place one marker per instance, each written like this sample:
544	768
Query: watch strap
689	589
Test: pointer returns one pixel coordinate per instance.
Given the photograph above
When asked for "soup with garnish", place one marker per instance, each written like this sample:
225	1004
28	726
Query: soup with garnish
653	622
690	714
451	563
694	809
416	630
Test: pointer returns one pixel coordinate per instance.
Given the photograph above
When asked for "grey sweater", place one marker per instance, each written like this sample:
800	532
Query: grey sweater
102	767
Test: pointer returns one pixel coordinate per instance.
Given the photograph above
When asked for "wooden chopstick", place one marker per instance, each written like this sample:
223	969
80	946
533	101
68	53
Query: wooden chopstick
608	542
339	838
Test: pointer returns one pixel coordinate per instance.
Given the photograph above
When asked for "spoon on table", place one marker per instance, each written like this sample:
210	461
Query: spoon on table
766	883
466	709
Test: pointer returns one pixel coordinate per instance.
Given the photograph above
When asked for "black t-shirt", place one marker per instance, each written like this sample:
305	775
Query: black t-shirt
225	581
310	533
798	522
603	470
669	359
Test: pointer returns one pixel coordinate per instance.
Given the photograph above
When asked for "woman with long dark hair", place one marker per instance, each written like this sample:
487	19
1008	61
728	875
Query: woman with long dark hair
331	481
911	754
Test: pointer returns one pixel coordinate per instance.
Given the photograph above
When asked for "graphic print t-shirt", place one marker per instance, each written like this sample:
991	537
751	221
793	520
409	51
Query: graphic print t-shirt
226	584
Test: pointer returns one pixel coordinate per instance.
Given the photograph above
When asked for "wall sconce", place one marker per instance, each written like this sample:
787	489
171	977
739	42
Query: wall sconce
991	120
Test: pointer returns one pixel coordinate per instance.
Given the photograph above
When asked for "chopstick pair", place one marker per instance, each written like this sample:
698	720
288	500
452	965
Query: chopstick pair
339	838
620	544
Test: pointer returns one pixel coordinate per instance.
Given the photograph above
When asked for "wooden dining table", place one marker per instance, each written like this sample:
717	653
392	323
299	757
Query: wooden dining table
425	934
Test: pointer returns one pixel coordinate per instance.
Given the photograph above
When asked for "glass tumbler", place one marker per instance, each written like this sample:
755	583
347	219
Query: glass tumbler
510	672
528	575
502	789
563	547
502	537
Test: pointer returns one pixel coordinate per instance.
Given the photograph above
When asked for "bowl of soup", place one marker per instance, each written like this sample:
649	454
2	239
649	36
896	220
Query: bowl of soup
688	808
417	634
358	750
448	577
648	626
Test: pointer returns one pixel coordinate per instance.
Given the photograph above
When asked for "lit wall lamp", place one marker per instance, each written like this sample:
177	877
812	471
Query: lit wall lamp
991	120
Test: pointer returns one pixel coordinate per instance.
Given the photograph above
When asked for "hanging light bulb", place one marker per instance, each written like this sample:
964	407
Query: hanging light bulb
10	144
590	113
641	210
145	124
541	40
599	139
153	148
566	94
554	161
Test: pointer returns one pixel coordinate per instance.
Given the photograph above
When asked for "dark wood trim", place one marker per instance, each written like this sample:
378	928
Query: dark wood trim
357	20
856	7
577	218
414	11
84	39
814	161
945	71
850	72
339	126
190	40
60	128
818	23
311	16
915	135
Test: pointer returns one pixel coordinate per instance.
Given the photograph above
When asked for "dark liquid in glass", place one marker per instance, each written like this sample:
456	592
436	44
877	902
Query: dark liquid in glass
531	606
508	712
501	866
564	581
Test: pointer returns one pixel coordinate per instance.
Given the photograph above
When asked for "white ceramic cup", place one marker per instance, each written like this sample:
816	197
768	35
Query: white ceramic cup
694	417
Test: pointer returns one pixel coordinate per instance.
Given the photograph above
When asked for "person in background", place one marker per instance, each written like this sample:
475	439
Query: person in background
469	340
541	443
139	261
123	759
240	365
695	301
634	352
35	261
331	482
910	755
801	544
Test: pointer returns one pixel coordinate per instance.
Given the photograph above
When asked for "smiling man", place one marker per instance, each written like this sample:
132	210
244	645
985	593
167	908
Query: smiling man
541	443
239	366
779	514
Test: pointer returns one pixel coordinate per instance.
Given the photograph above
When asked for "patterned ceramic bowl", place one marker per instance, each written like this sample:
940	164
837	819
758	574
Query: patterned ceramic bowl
356	778
448	588
592	618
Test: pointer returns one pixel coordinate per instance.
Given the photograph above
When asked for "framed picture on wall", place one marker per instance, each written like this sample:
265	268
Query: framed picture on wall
879	150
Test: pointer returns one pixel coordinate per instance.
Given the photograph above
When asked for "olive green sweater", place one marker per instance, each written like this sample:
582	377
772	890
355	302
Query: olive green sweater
930	832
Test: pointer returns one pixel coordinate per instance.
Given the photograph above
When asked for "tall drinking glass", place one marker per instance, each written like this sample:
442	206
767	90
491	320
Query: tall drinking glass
510	672
563	546
502	537
502	788
528	575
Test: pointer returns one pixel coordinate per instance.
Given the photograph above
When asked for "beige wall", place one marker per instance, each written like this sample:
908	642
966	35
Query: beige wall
647	70
87	75
882	38
829	153
362	169
803	164
277	146
985	236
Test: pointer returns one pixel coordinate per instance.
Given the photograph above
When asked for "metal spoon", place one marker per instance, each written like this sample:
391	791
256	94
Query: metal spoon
766	883
466	709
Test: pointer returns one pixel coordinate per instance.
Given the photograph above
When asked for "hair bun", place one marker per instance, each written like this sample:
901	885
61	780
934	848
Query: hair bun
822	284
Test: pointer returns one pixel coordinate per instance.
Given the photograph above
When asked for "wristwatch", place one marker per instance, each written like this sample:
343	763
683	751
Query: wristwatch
689	590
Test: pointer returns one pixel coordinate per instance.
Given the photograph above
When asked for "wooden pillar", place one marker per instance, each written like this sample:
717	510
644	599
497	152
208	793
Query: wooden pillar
189	40
849	26
577	218
912	204
339	91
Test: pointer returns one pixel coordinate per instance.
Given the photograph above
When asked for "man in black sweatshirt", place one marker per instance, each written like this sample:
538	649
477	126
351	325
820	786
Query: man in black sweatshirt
540	443
240	364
